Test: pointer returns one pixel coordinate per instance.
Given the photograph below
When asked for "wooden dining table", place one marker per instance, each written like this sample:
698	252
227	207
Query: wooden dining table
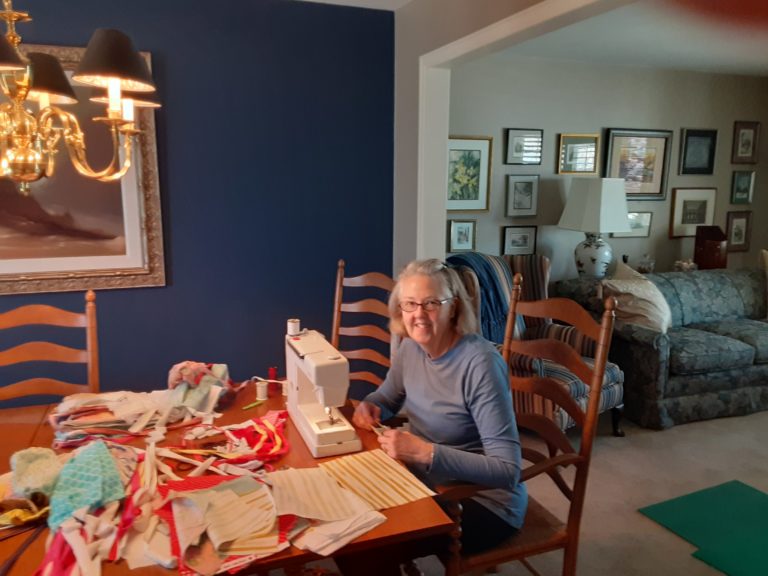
406	527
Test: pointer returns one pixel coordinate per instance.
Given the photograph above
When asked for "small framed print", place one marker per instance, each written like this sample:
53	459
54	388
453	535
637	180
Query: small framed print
639	225
518	240
738	231
746	139
461	235
691	207
697	151
523	145
469	173
522	195
578	154
742	186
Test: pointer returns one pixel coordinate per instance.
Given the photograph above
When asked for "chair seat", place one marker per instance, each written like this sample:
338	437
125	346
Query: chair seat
577	388
611	395
541	532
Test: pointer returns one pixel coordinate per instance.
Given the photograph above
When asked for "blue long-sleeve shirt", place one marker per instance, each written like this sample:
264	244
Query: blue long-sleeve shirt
461	402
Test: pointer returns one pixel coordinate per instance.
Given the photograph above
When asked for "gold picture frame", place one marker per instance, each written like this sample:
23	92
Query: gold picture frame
579	154
469	173
87	234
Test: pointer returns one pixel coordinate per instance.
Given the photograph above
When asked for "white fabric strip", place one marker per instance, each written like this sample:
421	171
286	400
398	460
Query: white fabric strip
311	493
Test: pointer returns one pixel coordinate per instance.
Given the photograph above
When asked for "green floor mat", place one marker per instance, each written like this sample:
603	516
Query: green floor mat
747	557
728	523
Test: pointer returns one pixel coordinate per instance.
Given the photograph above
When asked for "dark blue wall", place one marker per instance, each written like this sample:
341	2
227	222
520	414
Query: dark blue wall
275	154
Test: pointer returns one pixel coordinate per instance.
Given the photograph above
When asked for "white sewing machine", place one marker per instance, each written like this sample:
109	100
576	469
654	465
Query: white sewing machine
318	380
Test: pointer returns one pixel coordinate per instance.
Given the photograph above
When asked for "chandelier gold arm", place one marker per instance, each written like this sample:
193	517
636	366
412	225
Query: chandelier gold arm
75	143
11	16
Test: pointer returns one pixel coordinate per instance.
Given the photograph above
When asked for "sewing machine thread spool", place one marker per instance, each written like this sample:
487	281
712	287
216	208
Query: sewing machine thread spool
294	327
261	390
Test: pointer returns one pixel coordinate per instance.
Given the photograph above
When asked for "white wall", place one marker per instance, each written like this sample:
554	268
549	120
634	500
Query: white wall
430	37
420	27
494	93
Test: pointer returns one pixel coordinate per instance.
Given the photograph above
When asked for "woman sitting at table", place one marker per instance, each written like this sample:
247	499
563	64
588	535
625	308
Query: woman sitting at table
454	386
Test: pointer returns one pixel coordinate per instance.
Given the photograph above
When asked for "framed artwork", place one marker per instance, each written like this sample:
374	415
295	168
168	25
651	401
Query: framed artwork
746	140
697	151
641	158
518	240
523	145
691	207
461	235
738	230
742	186
578	154
522	195
469	173
76	233
639	225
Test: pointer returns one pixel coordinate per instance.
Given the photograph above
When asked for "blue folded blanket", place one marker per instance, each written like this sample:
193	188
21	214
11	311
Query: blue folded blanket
494	297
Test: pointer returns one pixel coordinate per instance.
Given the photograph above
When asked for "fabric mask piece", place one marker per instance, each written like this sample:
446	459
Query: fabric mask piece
88	480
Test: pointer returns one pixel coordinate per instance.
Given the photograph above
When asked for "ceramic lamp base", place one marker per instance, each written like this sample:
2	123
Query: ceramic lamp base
593	256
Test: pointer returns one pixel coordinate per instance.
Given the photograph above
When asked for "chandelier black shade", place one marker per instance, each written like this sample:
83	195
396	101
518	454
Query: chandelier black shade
110	55
48	77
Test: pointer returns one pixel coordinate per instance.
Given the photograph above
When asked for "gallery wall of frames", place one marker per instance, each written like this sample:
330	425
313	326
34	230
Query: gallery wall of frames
687	144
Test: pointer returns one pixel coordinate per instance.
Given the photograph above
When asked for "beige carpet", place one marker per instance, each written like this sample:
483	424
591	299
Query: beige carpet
646	467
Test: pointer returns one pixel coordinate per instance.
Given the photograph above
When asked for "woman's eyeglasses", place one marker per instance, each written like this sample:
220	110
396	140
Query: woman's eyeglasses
427	305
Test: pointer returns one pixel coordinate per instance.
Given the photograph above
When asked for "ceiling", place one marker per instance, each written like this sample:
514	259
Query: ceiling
657	34
377	4
649	33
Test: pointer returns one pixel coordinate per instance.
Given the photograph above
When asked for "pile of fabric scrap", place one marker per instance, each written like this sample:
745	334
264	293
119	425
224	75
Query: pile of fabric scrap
112	502
194	390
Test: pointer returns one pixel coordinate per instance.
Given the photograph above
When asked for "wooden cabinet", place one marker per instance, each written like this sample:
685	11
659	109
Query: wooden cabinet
711	248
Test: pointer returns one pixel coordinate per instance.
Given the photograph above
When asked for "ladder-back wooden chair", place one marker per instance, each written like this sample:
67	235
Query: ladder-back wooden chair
373	315
43	351
546	450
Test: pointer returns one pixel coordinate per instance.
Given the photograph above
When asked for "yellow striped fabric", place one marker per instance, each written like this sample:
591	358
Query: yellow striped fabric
376	478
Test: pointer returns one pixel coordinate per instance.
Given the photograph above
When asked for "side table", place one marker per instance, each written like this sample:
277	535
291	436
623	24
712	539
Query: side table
586	291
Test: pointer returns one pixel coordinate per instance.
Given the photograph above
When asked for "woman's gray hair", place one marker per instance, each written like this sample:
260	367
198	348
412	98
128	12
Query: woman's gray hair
464	320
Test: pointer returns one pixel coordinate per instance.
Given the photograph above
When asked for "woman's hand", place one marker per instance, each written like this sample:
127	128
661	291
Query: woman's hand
366	415
406	447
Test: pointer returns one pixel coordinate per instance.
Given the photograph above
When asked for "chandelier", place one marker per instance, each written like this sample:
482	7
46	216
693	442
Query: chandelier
29	139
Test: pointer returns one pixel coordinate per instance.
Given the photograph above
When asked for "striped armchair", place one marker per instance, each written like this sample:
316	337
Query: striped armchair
494	275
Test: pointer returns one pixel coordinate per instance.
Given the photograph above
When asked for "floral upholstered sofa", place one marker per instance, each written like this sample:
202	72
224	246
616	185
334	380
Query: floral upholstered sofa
713	359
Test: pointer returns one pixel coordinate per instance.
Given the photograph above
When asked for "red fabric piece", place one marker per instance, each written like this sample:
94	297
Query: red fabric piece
166	512
130	510
59	556
276	443
285	524
266	436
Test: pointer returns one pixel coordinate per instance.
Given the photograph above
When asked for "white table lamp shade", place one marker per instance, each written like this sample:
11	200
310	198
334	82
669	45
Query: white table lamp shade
595	206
